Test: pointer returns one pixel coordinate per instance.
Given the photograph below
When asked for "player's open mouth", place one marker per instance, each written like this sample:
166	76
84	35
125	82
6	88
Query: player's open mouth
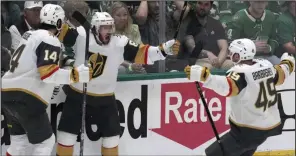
108	37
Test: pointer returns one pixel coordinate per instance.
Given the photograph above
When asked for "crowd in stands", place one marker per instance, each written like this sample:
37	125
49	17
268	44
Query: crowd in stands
206	31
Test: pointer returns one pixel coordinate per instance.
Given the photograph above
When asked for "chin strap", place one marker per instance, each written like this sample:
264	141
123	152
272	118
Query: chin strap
94	32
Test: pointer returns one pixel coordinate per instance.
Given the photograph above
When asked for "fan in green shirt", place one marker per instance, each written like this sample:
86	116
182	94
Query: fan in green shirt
286	24
229	8
257	24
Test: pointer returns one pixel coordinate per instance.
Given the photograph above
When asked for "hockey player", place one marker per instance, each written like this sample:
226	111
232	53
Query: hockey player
28	85
72	36
111	50
250	86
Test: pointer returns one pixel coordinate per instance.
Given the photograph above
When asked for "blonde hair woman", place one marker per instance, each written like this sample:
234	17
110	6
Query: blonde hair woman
124	26
124	23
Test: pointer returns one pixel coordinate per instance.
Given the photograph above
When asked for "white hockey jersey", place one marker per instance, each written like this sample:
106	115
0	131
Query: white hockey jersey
34	69
252	93
73	38
106	59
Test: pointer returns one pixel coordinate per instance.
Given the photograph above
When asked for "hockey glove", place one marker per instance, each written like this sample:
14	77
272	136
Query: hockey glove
170	47
289	61
67	58
197	73
81	74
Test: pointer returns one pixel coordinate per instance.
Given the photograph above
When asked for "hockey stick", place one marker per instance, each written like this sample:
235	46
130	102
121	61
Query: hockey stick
86	25
180	19
210	117
198	86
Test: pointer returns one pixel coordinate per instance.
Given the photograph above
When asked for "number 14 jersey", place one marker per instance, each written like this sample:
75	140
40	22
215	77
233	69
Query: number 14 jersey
35	60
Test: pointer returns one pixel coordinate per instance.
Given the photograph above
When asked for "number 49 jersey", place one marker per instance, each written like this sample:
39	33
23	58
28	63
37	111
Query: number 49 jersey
32	63
252	94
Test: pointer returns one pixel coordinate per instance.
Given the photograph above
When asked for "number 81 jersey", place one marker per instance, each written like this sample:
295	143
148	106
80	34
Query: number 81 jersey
35	60
255	102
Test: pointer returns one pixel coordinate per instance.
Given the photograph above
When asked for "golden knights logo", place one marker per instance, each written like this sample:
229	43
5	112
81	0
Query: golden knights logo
97	63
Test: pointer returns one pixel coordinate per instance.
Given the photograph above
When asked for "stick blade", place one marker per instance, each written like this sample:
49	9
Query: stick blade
81	19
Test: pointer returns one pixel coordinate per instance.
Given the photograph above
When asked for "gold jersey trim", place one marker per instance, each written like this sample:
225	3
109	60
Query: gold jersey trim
91	94
25	91
255	127
141	57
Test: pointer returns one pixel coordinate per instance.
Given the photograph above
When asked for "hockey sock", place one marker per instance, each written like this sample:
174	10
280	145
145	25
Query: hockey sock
109	151
63	150
45	147
7	154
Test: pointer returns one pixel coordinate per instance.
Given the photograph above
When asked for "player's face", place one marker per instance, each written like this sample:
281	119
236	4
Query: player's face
105	32
203	8
258	6
235	58
33	16
120	18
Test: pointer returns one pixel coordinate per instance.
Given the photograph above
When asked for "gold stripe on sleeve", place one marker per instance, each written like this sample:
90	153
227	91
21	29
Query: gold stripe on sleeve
141	56
47	70
281	75
63	32
234	90
289	64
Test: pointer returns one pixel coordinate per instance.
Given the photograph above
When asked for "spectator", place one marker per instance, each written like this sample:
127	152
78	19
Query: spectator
286	30
124	26
11	13
215	11
257	24
147	17
235	6
132	6
204	35
229	8
124	23
29	21
274	6
94	6
5	47
225	12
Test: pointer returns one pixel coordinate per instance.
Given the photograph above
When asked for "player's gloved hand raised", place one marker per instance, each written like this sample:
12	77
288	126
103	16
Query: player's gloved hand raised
289	60
197	73
81	74
170	47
